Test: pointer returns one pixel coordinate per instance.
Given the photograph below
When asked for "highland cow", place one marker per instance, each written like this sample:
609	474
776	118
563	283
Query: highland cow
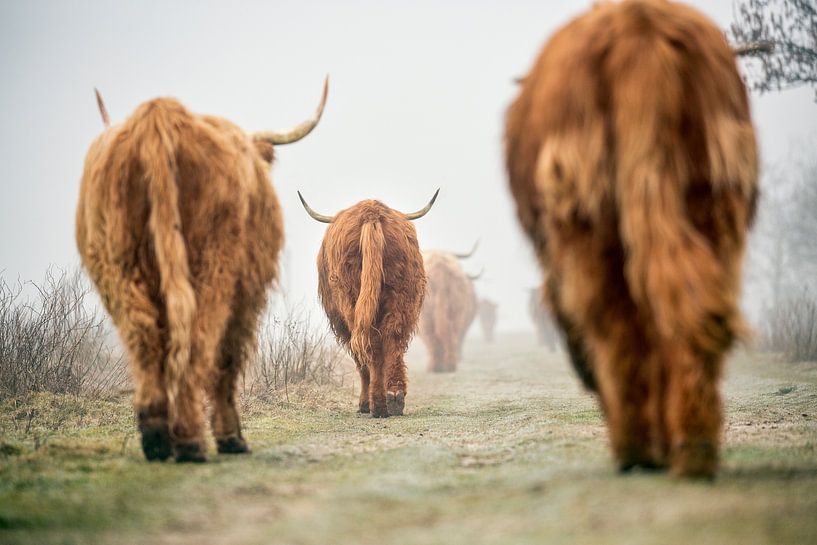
180	229
371	284
546	334
487	318
632	159
450	307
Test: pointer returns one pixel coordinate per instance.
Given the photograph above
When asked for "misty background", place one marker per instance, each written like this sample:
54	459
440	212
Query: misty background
417	97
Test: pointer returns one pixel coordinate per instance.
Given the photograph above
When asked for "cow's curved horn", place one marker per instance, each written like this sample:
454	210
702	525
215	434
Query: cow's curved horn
469	254
293	134
753	48
102	110
423	211
315	216
476	276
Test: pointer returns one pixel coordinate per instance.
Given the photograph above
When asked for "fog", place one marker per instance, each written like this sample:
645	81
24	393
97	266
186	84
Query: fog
417	97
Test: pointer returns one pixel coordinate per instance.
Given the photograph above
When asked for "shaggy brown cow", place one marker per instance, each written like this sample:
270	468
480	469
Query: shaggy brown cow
545	329
180	230
633	162
371	283
450	307
487	318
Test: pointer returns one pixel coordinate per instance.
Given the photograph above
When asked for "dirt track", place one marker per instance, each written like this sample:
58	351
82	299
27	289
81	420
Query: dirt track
506	450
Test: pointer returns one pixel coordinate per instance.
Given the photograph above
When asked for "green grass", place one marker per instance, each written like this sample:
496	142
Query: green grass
506	450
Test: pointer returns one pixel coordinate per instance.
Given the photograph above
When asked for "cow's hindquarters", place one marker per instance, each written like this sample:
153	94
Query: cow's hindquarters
365	340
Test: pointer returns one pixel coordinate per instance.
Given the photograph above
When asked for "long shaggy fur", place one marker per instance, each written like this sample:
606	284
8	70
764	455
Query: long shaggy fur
371	283
450	307
180	230
632	158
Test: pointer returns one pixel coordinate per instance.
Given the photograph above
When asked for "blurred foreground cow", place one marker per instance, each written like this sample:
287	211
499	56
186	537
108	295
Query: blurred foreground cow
545	330
633	162
180	230
449	308
487	318
371	284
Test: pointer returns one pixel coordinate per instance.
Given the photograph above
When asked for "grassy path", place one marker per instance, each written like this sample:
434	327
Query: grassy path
506	450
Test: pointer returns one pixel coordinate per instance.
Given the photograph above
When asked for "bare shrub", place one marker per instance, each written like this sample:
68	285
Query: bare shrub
294	351
55	341
792	328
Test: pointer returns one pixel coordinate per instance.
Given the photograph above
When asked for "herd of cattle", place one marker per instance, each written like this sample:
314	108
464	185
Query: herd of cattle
632	160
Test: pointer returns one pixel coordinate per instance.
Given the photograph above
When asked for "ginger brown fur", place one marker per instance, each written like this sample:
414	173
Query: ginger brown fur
371	284
450	307
633	162
180	230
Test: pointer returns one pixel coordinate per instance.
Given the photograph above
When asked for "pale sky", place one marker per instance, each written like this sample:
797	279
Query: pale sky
417	97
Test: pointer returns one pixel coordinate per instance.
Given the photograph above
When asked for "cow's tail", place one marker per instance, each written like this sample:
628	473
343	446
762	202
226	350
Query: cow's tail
674	276
158	157
371	280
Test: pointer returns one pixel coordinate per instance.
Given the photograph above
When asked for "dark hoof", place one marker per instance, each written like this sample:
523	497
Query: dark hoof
649	467
695	459
380	412
189	453
395	403
363	408
156	442
232	445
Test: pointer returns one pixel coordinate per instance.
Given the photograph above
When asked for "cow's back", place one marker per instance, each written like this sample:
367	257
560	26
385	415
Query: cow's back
340	263
450	295
223	196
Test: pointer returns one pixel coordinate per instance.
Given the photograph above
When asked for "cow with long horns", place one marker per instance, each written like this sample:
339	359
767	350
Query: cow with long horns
449	309
371	284
633	162
180	229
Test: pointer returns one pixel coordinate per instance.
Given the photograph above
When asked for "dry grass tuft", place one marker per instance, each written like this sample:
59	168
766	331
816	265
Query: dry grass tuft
56	340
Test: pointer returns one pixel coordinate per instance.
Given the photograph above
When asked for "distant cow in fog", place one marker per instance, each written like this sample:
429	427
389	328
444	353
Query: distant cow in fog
487	318
546	334
371	284
179	228
450	307
633	162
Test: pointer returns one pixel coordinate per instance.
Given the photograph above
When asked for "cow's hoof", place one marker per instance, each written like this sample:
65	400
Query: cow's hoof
694	459
395	403
363	408
648	466
637	457
232	445
189	452
156	442
380	412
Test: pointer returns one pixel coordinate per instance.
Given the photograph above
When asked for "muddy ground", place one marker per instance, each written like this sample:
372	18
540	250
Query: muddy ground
507	450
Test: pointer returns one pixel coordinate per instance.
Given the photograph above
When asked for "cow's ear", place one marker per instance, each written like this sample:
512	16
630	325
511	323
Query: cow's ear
265	150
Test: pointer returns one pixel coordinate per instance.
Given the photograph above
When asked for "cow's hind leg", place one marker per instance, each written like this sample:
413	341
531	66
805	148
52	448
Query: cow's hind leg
214	292
692	410
137	320
628	381
396	380
236	348
363	401
579	358
377	383
436	354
